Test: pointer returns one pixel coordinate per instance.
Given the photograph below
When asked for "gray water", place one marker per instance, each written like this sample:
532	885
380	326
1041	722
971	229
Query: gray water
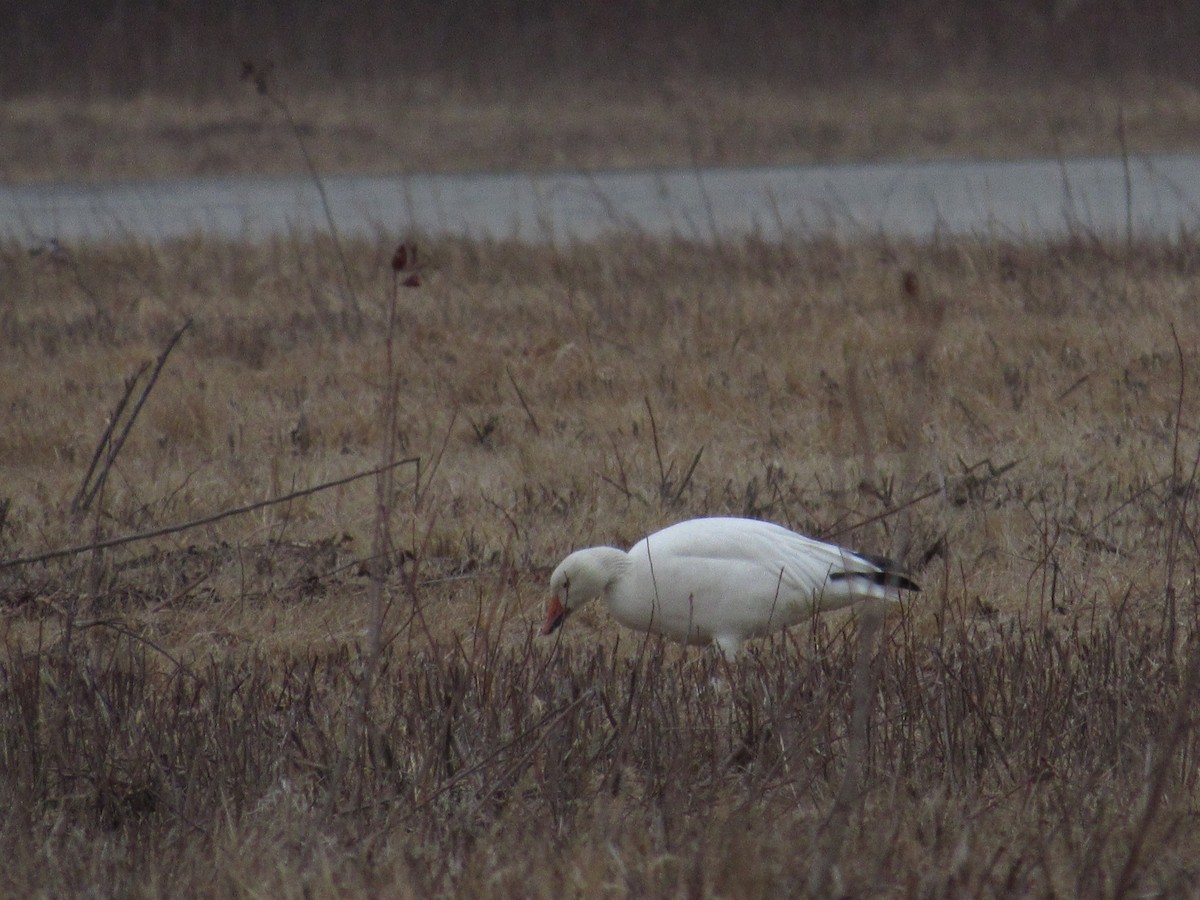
1018	199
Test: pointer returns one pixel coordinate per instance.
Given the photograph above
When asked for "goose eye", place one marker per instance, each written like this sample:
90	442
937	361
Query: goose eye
566	587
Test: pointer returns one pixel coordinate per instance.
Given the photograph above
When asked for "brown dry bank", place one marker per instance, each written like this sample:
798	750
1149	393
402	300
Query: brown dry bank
369	129
180	714
125	90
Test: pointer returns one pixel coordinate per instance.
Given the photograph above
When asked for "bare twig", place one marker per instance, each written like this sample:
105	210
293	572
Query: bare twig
524	405
404	263
106	438
879	517
83	500
195	523
858	415
422	490
663	472
260	75
122	628
1075	384
687	476
1175	508
1121	137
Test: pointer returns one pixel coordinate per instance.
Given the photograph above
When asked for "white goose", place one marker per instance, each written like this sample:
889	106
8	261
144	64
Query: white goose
720	579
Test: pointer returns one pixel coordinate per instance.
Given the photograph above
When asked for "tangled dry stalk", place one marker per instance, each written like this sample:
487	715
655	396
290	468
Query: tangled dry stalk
343	693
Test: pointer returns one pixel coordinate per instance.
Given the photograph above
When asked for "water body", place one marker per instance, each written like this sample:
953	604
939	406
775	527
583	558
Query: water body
1152	196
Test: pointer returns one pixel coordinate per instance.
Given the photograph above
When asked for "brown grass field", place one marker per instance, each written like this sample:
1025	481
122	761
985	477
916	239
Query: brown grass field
136	90
236	661
430	128
343	694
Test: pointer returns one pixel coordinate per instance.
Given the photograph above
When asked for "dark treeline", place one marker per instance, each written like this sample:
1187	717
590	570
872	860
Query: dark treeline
125	47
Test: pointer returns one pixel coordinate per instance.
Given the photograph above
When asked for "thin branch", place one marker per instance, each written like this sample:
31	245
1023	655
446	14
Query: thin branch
106	438
687	476
421	491
196	523
115	450
662	471
520	396
381	547
1121	136
886	514
121	628
260	75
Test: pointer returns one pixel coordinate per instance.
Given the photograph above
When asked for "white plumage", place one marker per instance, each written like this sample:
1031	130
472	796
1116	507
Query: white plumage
720	579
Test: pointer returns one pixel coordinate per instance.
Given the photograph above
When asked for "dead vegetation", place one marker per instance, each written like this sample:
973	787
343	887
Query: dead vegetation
342	693
118	92
423	127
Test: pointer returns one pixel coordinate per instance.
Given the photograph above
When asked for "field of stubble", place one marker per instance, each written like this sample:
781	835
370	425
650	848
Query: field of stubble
343	693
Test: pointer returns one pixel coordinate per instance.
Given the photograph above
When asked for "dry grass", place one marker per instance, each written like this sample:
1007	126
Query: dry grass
114	91
423	127
173	712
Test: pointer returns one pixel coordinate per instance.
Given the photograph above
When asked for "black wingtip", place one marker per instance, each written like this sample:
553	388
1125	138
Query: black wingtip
902	581
889	574
884	579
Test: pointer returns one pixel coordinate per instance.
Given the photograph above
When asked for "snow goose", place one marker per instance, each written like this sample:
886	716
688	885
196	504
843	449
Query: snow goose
721	580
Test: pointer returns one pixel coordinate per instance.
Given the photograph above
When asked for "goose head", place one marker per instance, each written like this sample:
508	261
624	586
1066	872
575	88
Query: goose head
581	577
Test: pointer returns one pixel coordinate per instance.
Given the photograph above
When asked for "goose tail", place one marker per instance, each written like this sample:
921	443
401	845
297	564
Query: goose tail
882	578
